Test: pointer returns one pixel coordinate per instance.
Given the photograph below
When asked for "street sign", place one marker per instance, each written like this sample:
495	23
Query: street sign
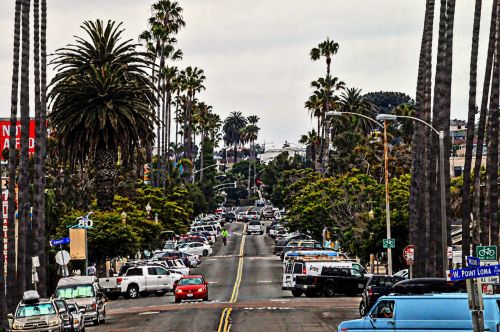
487	253
472	261
474	272
62	257
409	254
389	243
58	242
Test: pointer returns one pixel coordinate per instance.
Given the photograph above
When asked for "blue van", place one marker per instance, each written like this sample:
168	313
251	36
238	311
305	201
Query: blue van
432	312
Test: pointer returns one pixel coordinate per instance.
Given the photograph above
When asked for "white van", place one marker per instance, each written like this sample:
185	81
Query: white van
312	266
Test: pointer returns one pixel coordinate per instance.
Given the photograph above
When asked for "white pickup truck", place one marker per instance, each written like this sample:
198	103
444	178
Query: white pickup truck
255	227
142	279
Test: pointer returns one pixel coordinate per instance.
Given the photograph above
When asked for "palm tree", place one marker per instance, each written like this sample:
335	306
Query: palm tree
40	142
481	131
24	246
352	100
466	206
192	81
13	291
311	140
325	49
232	126
103	103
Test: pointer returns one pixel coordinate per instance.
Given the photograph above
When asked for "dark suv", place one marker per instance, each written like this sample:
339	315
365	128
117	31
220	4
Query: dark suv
377	286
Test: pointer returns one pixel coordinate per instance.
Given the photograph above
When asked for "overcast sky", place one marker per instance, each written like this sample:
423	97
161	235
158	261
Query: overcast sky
255	53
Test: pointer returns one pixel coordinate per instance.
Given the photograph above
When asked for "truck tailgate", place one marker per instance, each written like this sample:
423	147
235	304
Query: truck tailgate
108	283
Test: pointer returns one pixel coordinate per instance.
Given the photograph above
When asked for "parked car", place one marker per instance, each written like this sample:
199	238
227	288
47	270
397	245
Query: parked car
88	295
377	286
191	288
196	248
189	260
230	216
139	280
77	316
36	314
255	227
402	273
251	215
66	317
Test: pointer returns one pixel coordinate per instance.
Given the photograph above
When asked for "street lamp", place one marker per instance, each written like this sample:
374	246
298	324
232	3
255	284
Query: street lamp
148	209
444	244
386	175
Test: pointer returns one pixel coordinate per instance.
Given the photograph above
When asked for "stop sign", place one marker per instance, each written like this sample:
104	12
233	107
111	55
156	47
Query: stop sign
409	254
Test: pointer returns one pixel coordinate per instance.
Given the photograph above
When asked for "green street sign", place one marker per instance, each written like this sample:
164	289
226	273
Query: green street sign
487	253
389	243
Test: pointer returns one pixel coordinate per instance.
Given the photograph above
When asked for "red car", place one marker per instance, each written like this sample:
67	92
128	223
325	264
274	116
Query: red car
191	287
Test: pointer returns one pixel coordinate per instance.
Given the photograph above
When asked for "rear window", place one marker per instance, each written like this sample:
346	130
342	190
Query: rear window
297	268
134	272
253	223
381	281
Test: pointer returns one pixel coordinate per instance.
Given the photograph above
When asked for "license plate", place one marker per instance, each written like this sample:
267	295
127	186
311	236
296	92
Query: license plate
190	295
107	289
361	286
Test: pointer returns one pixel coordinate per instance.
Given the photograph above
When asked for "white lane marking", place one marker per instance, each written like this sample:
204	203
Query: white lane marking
268	308
279	300
149	313
264	281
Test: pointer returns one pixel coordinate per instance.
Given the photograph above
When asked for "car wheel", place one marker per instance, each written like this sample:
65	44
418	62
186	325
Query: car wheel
297	293
132	292
161	293
103	320
362	309
97	321
329	290
205	252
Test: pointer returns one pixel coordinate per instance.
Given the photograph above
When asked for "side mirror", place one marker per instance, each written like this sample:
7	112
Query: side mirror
206	283
10	316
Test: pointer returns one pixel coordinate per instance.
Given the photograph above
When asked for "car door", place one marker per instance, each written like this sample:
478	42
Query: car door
197	248
383	316
152	279
165	280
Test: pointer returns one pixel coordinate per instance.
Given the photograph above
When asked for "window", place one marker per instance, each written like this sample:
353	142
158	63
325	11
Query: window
288	268
29	310
297	268
161	272
76	291
355	273
134	272
151	271
190	281
385	309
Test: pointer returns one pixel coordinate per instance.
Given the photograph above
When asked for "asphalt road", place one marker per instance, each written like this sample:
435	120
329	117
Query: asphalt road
244	295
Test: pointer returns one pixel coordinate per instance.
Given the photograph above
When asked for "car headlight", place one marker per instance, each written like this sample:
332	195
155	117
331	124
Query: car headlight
201	290
54	322
178	290
17	326
76	321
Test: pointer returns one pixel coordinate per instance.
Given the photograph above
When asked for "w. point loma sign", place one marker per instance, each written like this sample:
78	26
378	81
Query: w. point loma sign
5	135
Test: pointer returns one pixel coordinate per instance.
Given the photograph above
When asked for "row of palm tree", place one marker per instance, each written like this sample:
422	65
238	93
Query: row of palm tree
31	230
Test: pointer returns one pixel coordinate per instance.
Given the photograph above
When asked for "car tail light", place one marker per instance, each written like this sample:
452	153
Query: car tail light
94	306
304	270
119	280
370	291
344	329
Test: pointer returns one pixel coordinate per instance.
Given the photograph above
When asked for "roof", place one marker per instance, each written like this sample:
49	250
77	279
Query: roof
192	276
76	280
441	295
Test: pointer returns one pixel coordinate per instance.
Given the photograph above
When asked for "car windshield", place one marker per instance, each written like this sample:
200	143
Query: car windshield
255	223
38	309
169	246
75	292
191	281
183	245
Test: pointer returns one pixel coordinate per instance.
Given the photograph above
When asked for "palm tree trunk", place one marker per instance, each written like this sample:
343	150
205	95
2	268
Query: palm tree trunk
158	115
491	201
235	152
13	291
164	135
24	246
169	123
477	210
466	203
417	201
40	139
105	168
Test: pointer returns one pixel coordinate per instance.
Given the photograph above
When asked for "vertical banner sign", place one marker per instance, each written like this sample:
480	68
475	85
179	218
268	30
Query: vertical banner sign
77	245
5	220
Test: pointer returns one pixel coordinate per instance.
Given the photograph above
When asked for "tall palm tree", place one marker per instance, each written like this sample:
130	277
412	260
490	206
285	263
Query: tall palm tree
232	126
192	80
352	100
24	246
481	130
39	166
103	103
466	205
311	140
13	291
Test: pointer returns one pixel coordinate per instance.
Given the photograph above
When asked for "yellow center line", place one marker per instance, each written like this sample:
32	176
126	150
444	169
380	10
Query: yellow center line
224	324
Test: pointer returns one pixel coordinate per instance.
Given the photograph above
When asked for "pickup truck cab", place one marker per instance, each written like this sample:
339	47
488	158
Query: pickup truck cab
255	227
139	279
331	281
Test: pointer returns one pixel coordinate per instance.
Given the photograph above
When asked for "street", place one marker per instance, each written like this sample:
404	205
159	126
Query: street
244	295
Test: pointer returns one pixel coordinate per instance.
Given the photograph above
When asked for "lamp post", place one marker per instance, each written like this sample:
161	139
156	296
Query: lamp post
444	243
386	176
148	210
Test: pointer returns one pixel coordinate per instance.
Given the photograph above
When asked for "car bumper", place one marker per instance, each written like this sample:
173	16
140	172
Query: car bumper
305	287
44	329
190	296
89	316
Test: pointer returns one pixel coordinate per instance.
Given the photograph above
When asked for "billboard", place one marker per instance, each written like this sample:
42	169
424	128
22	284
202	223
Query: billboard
5	135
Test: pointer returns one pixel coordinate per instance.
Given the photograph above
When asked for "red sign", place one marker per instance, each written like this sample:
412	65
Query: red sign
409	254
5	135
